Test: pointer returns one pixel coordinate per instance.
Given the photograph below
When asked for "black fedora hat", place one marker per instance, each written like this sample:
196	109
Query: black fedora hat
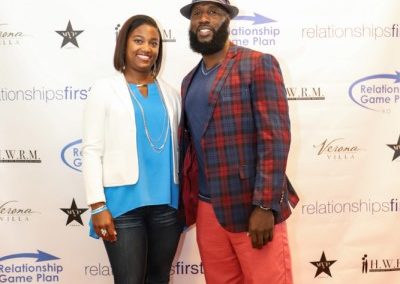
232	10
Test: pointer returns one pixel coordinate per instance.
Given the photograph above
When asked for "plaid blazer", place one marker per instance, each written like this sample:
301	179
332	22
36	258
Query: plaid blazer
245	142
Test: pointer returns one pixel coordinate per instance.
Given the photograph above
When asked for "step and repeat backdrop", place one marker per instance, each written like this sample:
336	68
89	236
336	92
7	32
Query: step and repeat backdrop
341	63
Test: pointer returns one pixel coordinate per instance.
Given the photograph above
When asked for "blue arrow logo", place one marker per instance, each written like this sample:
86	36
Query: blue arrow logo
395	77
40	256
257	19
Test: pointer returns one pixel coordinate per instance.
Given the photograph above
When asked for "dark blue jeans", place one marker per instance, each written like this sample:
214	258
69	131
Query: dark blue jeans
147	239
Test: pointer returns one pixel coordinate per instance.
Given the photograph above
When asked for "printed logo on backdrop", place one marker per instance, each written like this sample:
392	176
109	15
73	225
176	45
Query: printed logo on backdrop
30	267
305	94
337	149
178	268
43	94
10	36
166	34
71	155
379	265
98	270
323	266
19	156
347	207
69	35
183	268
334	31
254	30
380	92
74	213
12	211
396	149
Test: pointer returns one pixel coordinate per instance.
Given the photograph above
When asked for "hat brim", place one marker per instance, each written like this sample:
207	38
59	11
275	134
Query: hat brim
232	10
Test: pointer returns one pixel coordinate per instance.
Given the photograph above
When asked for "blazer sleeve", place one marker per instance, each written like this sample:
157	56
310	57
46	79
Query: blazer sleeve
94	117
270	110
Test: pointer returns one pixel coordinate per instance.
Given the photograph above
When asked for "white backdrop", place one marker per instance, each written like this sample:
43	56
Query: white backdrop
339	60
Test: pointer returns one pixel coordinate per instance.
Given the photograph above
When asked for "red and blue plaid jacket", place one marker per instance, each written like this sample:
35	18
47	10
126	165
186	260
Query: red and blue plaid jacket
245	142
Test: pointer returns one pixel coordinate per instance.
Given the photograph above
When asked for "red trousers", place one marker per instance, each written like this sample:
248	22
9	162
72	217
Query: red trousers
229	258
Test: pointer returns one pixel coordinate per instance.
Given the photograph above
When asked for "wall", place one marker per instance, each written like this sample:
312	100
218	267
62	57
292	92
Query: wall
340	62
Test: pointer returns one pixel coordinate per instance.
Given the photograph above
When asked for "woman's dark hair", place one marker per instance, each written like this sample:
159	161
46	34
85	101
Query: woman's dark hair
120	48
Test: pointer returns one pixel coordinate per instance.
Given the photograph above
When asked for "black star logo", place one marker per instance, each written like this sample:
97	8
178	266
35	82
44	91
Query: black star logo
323	265
396	149
69	35
74	213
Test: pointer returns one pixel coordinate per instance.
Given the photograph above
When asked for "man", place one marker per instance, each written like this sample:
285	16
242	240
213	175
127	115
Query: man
234	138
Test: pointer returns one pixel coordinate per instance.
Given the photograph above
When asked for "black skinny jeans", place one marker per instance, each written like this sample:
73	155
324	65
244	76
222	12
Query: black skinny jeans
147	239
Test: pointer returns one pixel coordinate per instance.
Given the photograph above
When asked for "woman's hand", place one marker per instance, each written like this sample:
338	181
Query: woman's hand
103	224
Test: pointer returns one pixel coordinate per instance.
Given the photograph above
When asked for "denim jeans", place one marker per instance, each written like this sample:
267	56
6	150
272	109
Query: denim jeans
147	239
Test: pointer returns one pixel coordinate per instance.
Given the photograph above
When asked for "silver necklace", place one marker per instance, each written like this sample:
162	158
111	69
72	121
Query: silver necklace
165	124
206	72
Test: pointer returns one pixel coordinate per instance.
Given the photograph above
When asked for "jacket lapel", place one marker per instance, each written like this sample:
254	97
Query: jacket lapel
121	90
219	82
187	82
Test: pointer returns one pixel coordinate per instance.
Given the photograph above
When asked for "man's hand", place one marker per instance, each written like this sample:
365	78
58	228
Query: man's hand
261	226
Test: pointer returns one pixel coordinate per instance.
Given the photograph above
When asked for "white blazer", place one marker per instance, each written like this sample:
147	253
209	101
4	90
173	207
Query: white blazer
109	150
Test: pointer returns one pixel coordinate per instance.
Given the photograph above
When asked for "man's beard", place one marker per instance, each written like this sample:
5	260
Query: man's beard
216	43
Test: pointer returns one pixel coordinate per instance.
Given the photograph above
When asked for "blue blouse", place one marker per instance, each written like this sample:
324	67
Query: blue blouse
155	185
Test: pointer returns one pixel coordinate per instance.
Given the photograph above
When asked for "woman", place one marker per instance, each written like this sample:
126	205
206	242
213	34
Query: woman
130	158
